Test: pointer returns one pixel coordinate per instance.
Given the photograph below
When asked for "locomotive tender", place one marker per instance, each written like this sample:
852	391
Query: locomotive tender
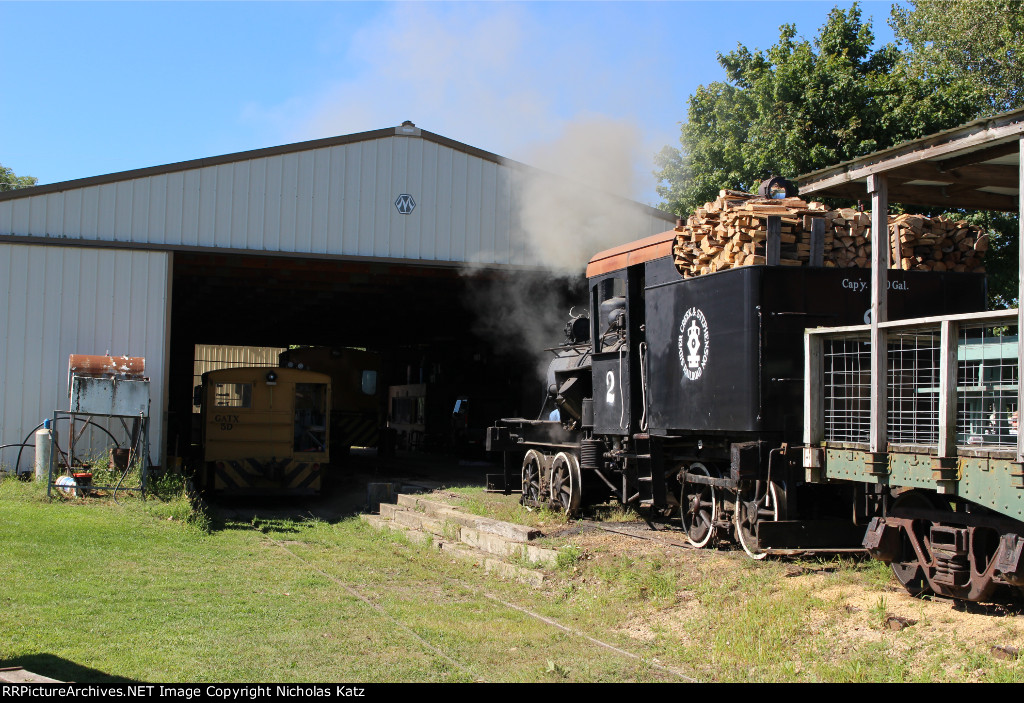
688	394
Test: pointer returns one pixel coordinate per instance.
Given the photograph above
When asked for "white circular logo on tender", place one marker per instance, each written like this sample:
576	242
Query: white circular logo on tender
693	343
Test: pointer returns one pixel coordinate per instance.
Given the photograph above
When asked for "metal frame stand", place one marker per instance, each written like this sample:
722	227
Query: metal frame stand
139	433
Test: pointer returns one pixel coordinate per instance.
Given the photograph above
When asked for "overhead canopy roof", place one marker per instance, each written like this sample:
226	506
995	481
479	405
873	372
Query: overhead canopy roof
975	166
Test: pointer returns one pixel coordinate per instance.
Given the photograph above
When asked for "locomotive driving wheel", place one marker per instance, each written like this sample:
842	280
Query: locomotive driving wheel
533	464
566	485
756	502
698	507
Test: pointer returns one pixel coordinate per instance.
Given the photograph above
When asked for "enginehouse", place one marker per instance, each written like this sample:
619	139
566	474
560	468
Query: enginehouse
388	240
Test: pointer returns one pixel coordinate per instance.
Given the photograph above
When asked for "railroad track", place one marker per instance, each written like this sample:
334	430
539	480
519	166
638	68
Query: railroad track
670	537
459	665
674	538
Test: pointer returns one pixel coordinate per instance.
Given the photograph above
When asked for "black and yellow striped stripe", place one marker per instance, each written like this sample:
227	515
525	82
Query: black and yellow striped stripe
255	476
355	430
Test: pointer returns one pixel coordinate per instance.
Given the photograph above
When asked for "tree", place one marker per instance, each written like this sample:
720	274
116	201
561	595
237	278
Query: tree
9	181
979	46
979	43
803	105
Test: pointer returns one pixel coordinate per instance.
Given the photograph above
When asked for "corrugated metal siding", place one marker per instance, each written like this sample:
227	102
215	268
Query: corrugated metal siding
210	357
59	301
335	200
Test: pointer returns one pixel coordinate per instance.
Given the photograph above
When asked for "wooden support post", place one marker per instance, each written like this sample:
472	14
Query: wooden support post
878	188
817	241
947	388
773	242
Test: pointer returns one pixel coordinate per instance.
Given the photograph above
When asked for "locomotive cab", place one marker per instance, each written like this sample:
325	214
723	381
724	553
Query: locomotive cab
265	431
696	396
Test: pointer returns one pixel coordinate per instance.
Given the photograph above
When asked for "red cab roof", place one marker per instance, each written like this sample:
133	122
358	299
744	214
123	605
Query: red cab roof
647	249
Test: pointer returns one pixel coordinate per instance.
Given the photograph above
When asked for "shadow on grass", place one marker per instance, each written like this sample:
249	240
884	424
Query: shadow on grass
63	670
344	495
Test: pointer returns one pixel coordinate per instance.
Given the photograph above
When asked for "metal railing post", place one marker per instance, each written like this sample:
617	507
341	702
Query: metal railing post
814	407
949	333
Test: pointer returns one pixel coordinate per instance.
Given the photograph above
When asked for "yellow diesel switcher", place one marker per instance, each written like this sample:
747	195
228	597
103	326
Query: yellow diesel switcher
265	431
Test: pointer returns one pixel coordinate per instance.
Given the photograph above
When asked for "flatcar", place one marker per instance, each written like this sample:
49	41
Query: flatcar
265	431
685	395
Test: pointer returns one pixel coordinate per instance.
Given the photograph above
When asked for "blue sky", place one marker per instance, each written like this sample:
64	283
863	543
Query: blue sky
92	88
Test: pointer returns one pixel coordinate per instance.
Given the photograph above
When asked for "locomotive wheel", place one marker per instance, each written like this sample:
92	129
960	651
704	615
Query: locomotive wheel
907	568
761	507
698	508
533	464
566	484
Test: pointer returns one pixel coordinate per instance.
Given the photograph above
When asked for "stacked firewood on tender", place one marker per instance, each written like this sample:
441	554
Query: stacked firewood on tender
732	231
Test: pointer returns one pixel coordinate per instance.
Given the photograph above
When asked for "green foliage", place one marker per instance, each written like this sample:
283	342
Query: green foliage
804	105
615	512
557	669
9	181
170	499
568	557
638	580
975	44
880	610
1001	262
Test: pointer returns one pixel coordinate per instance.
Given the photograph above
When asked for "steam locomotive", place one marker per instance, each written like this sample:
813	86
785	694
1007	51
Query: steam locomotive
686	396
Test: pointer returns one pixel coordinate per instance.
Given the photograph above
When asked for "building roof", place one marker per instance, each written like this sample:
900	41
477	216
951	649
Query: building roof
406	129
388	195
974	166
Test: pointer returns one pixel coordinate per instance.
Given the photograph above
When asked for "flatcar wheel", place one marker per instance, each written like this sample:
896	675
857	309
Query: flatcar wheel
533	464
752	510
907	568
698	508
566	485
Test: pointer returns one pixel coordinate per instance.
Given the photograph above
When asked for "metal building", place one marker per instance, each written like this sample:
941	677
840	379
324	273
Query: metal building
345	240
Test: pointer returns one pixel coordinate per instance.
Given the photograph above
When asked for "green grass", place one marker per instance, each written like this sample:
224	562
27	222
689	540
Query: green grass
501	507
614	512
99	591
92	590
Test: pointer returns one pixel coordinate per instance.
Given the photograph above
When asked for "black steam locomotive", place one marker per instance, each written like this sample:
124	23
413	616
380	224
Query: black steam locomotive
687	394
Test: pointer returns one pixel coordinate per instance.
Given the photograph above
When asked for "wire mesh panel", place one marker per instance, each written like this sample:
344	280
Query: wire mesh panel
987	377
847	388
913	380
986	393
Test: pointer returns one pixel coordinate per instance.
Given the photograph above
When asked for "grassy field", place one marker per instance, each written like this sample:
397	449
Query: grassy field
91	590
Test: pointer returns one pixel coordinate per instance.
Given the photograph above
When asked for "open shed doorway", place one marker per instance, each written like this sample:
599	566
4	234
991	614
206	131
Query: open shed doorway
433	326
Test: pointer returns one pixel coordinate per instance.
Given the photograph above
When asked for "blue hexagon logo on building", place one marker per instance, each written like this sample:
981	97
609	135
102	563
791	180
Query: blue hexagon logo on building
405	204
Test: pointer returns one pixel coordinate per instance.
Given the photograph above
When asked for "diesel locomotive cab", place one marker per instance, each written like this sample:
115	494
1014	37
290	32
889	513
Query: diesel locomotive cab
265	431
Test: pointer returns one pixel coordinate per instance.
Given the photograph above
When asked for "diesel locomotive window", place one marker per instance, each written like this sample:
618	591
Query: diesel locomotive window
610	322
369	384
232	395
310	417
